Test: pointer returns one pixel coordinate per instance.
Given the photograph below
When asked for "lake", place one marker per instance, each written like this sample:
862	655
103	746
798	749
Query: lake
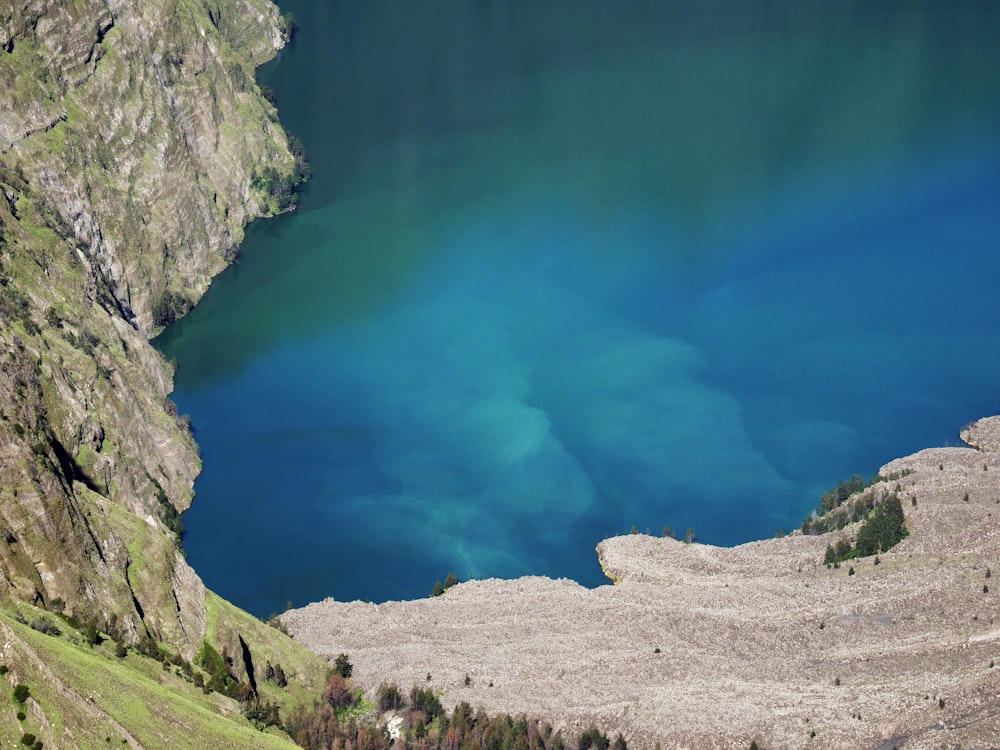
569	267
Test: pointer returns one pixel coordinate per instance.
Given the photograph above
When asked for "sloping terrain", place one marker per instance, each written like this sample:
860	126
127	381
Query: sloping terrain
132	143
699	646
134	147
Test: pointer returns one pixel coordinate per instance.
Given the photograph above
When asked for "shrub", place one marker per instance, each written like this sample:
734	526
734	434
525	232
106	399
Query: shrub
389	697
27	739
91	635
337	693
276	675
342	666
212	662
423	699
288	26
884	529
168	307
593	738
21	693
43	625
262	714
275	622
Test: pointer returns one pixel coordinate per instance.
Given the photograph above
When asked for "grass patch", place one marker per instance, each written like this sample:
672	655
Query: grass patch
158	708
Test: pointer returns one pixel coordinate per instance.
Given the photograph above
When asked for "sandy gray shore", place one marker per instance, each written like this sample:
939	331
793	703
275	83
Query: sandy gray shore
704	647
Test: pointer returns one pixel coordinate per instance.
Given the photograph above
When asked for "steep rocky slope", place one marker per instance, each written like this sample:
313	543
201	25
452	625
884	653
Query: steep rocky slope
702	647
132	143
134	147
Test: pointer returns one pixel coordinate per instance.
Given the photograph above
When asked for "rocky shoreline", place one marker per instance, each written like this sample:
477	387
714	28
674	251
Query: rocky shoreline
700	646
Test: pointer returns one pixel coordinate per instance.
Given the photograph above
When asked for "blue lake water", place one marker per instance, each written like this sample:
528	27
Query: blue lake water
568	267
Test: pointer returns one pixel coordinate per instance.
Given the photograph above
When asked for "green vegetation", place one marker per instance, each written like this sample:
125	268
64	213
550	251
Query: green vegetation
83	688
884	528
288	26
593	738
846	503
106	644
450	580
168	307
341	718
282	187
335	722
219	678
342	666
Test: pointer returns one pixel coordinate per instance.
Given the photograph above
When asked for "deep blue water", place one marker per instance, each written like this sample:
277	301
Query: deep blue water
569	267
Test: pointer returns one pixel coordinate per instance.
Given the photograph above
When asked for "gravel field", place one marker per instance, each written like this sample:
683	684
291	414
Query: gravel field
707	647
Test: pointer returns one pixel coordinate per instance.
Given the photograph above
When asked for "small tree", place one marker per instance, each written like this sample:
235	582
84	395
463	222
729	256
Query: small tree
91	635
424	700
337	693
21	693
279	676
343	666
450	580
389	697
593	738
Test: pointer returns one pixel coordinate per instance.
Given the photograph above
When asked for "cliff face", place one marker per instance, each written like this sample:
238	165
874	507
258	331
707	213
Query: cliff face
132	137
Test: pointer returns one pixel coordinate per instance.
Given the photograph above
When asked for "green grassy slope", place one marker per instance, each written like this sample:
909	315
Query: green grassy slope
83	696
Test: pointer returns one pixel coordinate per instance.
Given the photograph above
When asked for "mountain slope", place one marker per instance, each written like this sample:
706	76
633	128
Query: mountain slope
132	137
134	147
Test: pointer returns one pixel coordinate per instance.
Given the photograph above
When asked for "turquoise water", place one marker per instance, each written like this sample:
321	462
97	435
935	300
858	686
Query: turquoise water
568	267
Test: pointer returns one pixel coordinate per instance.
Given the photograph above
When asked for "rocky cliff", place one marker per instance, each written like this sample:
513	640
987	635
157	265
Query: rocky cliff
707	647
132	143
